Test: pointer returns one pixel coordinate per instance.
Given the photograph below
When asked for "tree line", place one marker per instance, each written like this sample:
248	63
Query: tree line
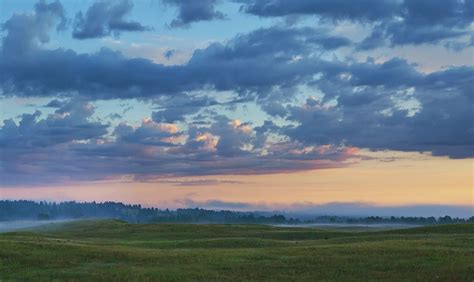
31	210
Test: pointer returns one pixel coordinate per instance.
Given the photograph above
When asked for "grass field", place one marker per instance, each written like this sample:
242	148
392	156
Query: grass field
115	250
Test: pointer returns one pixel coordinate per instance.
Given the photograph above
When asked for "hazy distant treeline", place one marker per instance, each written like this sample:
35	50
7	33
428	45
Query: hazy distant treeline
30	210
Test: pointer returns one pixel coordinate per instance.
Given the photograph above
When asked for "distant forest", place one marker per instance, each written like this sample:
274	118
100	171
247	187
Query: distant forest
30	210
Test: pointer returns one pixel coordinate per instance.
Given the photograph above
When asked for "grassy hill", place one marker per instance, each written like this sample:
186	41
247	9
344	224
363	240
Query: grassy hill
115	250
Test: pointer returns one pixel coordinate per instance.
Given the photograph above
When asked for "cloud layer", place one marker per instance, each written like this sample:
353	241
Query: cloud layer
318	102
399	22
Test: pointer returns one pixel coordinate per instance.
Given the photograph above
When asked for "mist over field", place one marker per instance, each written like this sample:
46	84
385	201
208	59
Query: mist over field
18	214
14	225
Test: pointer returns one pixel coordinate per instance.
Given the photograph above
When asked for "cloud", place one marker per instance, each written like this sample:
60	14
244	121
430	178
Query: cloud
32	150
427	22
415	112
398	22
240	65
55	104
360	10
176	108
67	147
25	31
68	123
194	11
169	53
326	107
104	18
148	133
375	108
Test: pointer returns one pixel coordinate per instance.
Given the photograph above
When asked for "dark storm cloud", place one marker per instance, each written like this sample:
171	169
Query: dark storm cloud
104	18
399	22
194	11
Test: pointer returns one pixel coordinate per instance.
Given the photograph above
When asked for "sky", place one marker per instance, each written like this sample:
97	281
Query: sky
325	107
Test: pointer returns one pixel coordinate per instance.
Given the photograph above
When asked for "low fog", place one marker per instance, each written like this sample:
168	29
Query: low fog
8	226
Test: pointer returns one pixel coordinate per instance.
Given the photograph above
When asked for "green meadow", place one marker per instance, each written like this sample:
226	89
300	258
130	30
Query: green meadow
117	251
